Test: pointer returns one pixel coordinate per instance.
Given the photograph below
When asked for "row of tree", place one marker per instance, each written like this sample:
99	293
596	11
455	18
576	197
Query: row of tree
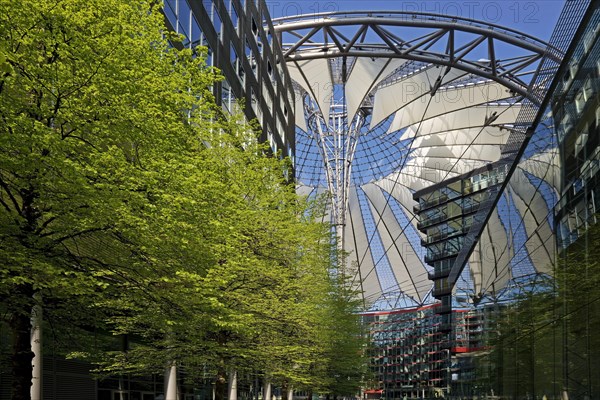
131	207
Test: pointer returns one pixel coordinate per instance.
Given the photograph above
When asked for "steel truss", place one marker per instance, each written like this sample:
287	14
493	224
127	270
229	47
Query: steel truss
319	36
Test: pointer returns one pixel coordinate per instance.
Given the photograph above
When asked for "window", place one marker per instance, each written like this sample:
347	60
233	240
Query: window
184	21
581	141
214	16
272	141
254	27
217	23
253	100
197	37
209	55
587	90
226	95
233	57
170	10
565	126
234	17
579	102
269	37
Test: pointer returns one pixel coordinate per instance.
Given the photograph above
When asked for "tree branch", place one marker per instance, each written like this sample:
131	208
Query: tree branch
44	225
4	186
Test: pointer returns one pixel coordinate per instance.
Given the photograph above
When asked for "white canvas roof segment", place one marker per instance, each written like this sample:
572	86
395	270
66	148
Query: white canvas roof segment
304	190
314	77
389	100
489	263
401	101
366	74
400	186
471	117
299	116
534	212
392	98
357	241
544	166
400	254
466	138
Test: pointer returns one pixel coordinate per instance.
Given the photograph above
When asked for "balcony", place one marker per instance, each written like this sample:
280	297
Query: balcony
433	202
435	275
430	258
426	222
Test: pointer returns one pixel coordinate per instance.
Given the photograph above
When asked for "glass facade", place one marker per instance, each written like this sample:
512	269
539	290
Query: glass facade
411	356
446	213
408	355
228	29
576	110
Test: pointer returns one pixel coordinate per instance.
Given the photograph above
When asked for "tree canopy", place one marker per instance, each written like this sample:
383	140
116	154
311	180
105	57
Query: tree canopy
131	206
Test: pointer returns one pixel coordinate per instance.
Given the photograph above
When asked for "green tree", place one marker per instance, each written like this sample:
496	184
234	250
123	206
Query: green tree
131	206
93	105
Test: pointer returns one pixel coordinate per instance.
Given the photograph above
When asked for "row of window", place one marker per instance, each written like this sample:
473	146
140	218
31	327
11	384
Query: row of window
185	20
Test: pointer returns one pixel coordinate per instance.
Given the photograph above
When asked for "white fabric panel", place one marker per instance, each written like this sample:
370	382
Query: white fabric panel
390	99
450	153
474	136
534	212
365	75
490	258
460	119
399	185
357	244
304	190
316	79
408	269
299	112
446	101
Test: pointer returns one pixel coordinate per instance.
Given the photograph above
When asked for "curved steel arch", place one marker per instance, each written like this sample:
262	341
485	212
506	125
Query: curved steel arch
337	44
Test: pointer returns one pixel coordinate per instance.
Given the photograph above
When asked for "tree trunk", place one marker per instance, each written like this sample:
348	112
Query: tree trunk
232	386
267	390
220	385
36	338
171	382
22	356
284	391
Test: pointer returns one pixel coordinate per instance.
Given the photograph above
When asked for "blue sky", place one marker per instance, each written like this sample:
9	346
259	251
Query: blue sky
537	18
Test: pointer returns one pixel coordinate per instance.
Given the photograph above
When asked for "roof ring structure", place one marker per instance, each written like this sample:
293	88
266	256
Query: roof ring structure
389	103
319	36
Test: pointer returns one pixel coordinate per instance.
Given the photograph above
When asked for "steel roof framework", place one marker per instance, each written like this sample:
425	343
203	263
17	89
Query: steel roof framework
362	75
